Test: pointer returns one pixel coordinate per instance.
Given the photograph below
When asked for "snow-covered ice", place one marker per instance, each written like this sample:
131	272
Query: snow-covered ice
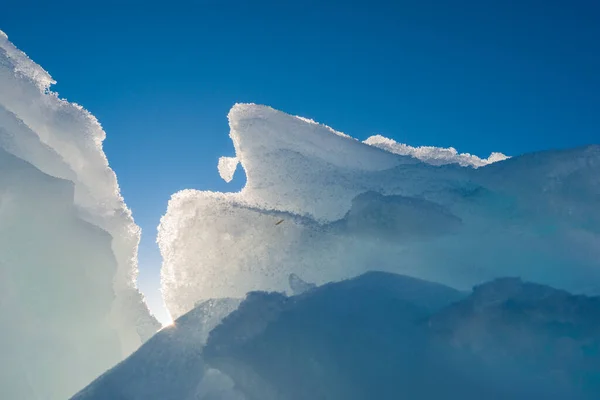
376	336
68	243
318	206
227	167
324	206
434	155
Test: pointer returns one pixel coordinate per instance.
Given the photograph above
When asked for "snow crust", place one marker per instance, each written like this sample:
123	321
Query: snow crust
434	155
68	245
327	207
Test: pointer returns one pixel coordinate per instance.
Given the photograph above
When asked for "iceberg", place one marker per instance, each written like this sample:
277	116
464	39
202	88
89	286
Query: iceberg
325	207
69	243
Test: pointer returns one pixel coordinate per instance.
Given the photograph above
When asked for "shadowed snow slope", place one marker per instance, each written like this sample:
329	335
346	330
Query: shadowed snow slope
383	336
324	206
376	336
170	366
68	243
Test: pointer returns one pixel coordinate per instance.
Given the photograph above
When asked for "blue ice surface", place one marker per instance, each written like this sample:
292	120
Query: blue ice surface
379	335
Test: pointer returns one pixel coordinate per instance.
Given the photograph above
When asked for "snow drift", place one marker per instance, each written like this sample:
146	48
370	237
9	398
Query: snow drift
68	243
325	207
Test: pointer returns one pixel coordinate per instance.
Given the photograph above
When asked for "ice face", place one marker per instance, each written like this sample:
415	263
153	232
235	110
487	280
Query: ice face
324	206
69	244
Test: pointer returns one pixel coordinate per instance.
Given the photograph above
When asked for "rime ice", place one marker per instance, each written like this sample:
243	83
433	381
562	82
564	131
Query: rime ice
434	155
227	167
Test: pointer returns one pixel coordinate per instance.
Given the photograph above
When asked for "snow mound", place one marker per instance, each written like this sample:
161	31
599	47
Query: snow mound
434	155
327	207
69	243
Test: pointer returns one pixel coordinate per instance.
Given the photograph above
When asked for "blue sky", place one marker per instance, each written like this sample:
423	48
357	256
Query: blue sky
482	76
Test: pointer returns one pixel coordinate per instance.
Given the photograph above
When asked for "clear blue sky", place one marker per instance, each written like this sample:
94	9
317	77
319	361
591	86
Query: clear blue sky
482	76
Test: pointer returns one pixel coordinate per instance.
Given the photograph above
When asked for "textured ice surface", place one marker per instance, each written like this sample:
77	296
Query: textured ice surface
325	207
227	167
299	286
68	243
434	155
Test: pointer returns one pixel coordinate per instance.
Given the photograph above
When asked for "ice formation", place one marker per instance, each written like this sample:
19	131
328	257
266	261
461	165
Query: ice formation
386	336
325	207
69	243
434	155
227	167
170	365
376	336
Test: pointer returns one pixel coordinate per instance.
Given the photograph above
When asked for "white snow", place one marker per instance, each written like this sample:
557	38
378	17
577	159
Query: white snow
227	167
327	207
434	155
68	243
313	122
